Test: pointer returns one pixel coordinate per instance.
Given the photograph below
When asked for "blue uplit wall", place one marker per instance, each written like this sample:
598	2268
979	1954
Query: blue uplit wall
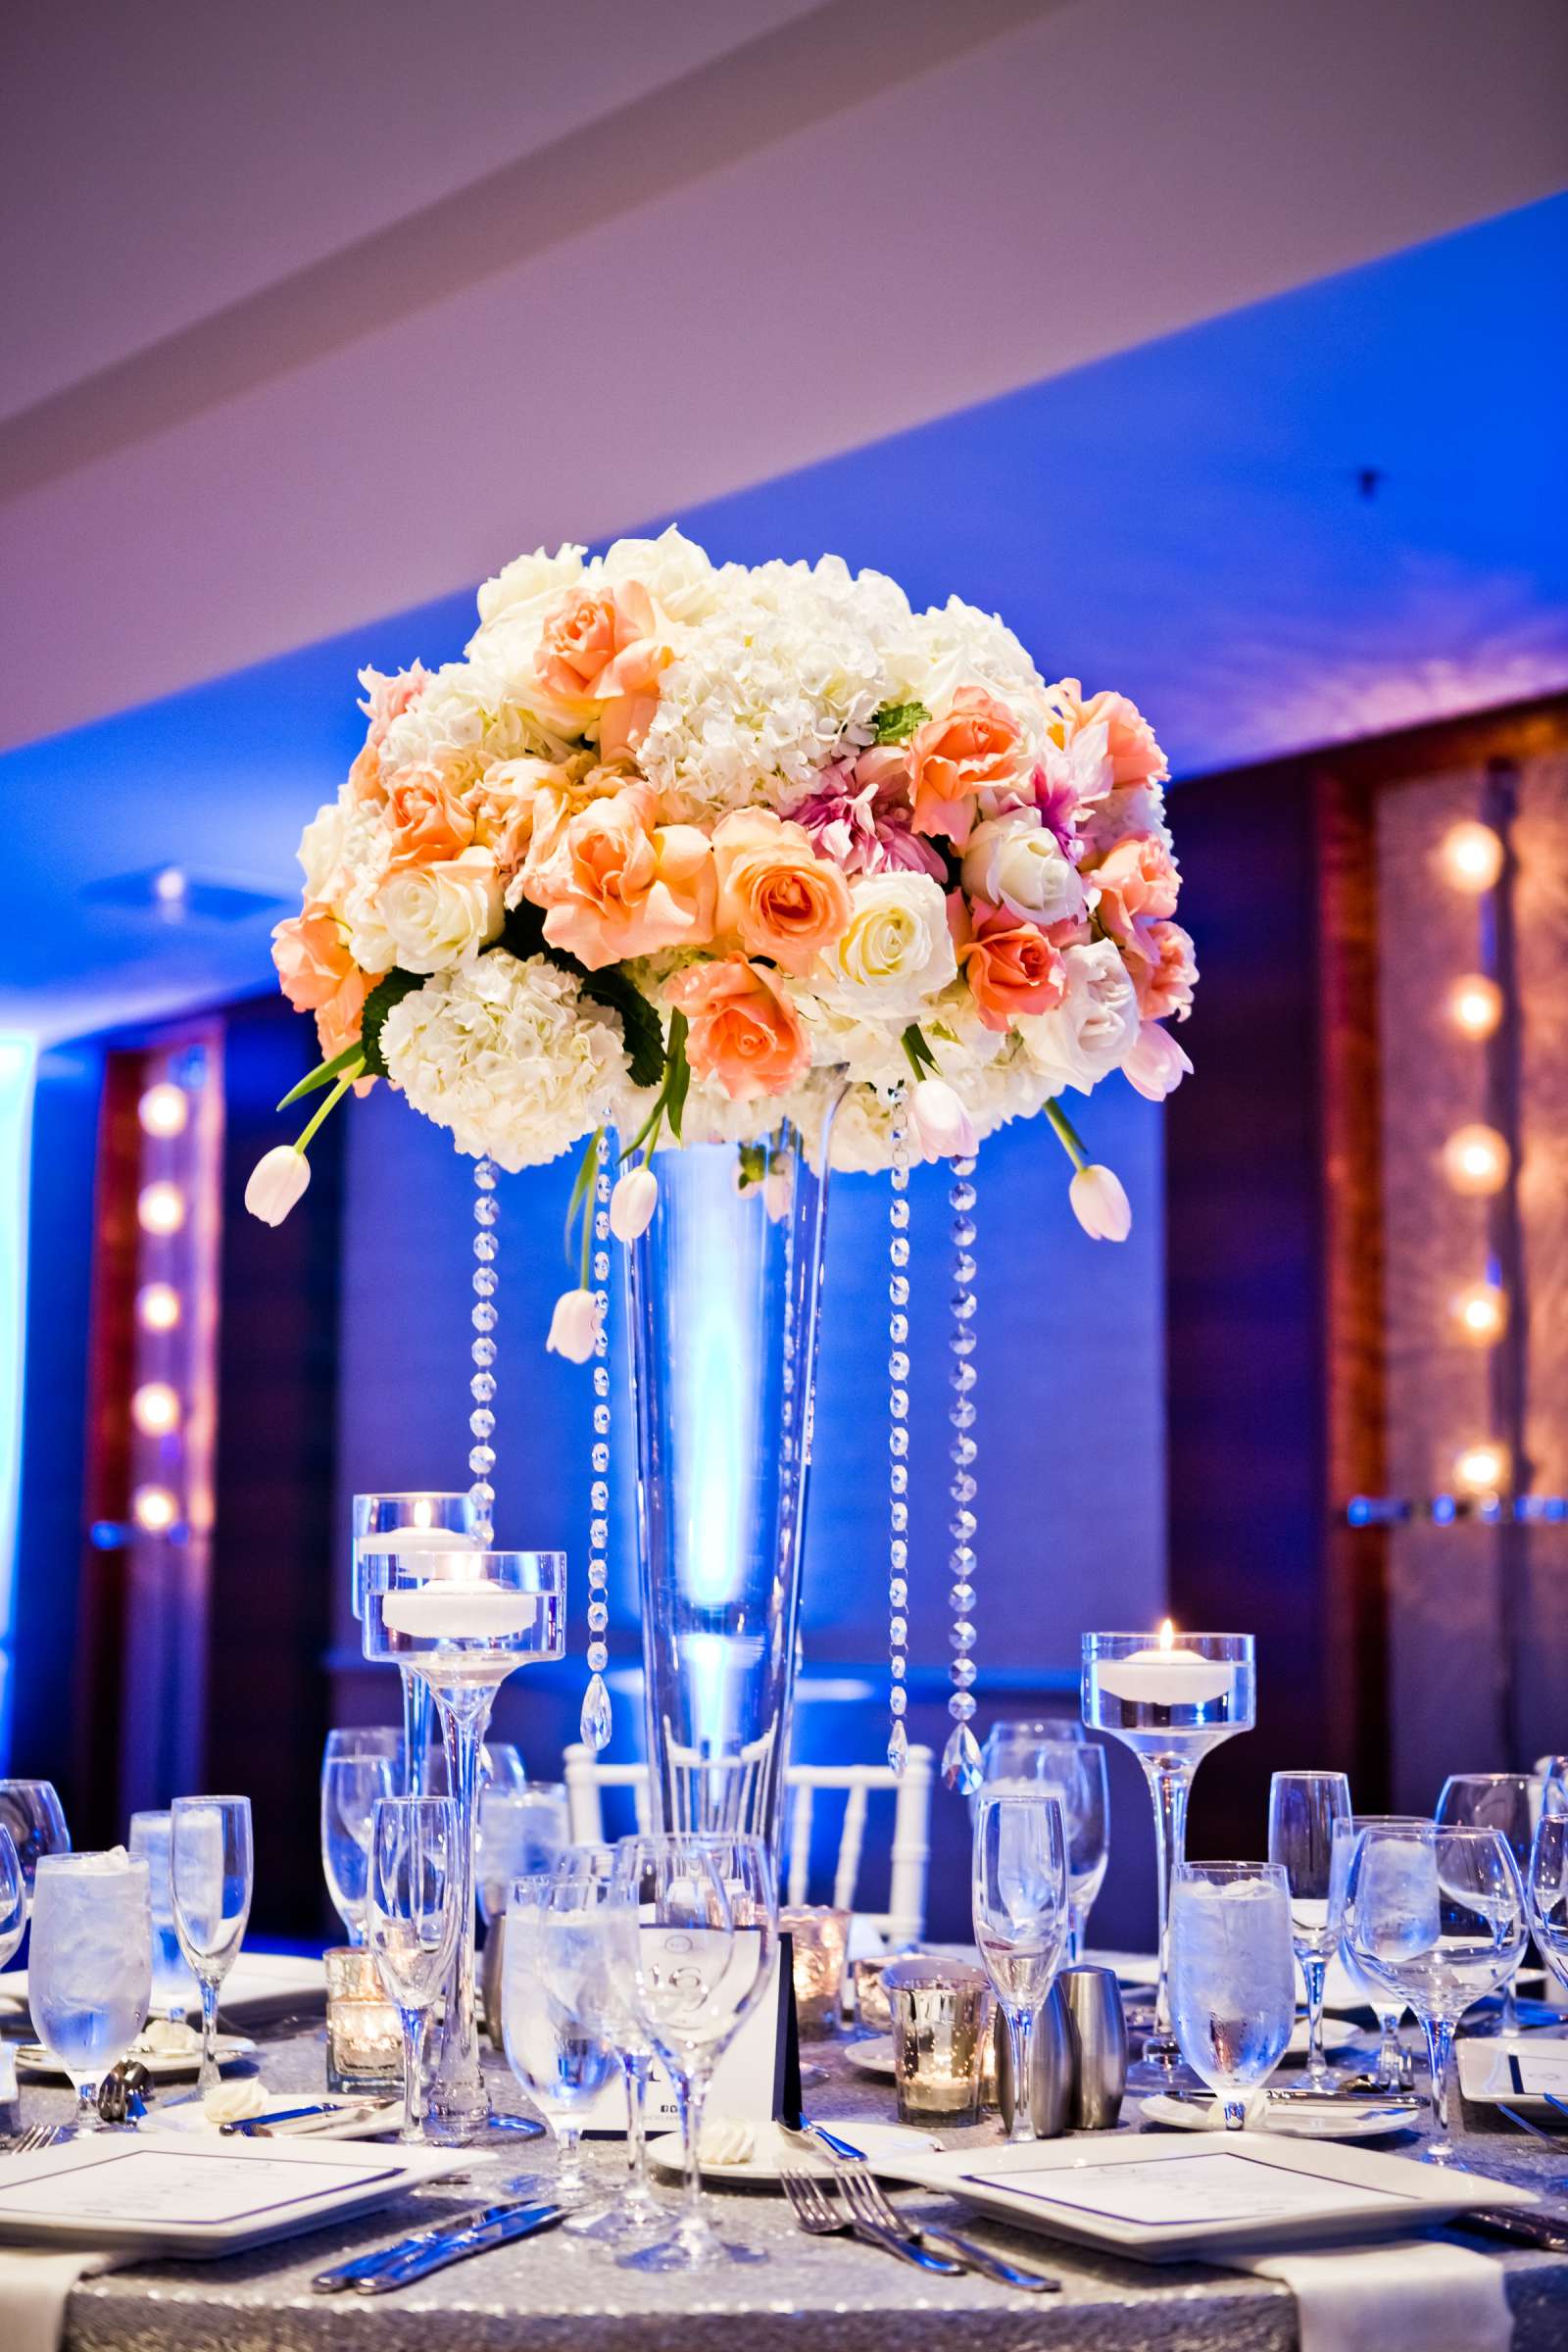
16	1141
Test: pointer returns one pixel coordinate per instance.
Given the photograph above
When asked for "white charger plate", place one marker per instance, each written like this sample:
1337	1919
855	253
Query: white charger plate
1281	2192
1486	2074
1284	2118
39	2065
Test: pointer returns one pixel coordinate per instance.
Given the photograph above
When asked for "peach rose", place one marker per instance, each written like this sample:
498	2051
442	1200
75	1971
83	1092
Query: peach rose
1164	976
427	822
775	894
385	699
1012	967
318	975
1135	755
616	884
603	646
1138	883
974	747
743	1031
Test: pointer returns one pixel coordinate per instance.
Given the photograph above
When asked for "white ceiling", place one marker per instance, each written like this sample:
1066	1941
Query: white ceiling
326	314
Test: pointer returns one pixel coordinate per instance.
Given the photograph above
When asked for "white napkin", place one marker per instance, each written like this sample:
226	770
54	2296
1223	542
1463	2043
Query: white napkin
35	2283
1411	2295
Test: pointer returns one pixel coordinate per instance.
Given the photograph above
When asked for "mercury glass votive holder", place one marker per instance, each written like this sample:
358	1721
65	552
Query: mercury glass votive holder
941	2028
364	2035
820	1940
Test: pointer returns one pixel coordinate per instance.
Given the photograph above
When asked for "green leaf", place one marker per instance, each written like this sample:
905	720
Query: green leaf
322	1075
920	1053
378	1004
645	1040
587	1170
522	935
678	1073
896	722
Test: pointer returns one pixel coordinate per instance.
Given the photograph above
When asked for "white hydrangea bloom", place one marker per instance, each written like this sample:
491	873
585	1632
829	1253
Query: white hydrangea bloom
511	1056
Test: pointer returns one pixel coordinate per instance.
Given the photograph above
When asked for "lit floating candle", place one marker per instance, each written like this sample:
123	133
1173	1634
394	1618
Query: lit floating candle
473	1609
1164	1676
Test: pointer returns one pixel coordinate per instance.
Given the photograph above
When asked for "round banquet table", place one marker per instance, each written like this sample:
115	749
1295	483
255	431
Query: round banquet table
557	2293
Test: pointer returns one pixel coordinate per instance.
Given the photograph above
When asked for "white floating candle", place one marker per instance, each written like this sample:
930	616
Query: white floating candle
1165	1676
414	1539
474	1610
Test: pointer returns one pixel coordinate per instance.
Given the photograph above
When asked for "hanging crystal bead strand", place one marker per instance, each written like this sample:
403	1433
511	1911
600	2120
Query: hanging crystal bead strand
961	1758
899	1438
483	1387
596	1723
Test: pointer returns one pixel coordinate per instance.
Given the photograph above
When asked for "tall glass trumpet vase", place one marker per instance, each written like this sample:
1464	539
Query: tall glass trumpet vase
1171	1698
461	1620
725	1289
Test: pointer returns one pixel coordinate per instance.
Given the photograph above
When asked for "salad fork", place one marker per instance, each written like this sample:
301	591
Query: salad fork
868	2199
819	2217
32	2142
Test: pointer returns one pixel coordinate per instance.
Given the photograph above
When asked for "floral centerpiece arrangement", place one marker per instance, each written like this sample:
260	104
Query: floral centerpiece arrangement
685	851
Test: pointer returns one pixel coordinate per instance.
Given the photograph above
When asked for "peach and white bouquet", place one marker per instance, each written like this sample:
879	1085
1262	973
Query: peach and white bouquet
686	850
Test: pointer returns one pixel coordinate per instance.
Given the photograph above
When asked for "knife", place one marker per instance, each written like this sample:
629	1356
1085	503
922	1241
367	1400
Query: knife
458	2245
360	2266
340	2111
1549	2233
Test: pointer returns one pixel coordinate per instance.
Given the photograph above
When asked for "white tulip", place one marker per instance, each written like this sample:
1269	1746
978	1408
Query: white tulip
632	1202
574	1325
1156	1064
943	1125
277	1180
1100	1204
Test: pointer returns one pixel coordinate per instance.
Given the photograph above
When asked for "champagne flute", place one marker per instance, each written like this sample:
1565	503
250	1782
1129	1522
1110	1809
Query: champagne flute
412	1891
173	1983
1233	1975
89	1968
1021	1917
1493	1800
210	1875
1438	1916
1302	1809
350	1789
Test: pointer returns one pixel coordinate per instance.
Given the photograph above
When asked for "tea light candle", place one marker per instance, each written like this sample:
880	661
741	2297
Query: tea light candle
820	1938
1164	1676
363	2037
472	1609
941	2027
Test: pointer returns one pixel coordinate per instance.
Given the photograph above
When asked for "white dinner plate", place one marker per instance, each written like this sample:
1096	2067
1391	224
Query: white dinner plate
260	1986
1488	2074
773	2151
153	2193
39	2065
1287	2119
1225	2191
189	2118
873	2056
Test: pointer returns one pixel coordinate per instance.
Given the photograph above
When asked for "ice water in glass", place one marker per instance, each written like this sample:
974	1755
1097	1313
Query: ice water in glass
1233	1975
89	1966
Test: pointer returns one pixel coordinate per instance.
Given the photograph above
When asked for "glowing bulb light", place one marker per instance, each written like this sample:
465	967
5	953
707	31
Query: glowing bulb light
161	1208
170	886
158	1307
1472	857
1482	1469
155	1408
154	1509
1480	1312
1476	1160
164	1110
1475	1006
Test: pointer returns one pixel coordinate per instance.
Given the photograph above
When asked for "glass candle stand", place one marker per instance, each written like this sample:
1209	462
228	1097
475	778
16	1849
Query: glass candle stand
430	1522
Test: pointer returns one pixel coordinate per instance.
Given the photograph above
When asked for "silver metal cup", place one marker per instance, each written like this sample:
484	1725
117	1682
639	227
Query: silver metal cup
1051	2070
1097	2025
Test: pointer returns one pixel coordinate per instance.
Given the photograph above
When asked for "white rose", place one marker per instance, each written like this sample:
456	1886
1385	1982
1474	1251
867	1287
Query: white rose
1095	1026
320	849
895	951
535	579
437	917
1013	861
675	571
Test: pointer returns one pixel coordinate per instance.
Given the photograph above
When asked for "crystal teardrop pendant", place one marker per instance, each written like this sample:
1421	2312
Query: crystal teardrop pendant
960	1761
596	1724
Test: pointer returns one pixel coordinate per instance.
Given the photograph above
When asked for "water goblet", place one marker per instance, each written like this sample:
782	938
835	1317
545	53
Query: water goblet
412	1891
1437	1915
1494	1800
554	2019
588	1874
1171	1699
31	1811
428	1522
1233	1975
89	1967
501	1766
13	1897
522	1829
175	1988
352	1787
693	1946
211	1869
1391	2068
1546	1889
1302	1809
1021	1917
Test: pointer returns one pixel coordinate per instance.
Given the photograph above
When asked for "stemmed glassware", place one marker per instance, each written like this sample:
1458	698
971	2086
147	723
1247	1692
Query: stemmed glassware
173	1986
13	1897
428	1522
694	1943
1546	1890
352	1787
1553	1774
1072	1769
462	1619
412	1889
1233	1975
1302	1810
31	1811
211	1867
553	2021
89	1966
522	1832
1021	1916
585	1877
1494	1800
1171	1698
1438	1916
1392	2069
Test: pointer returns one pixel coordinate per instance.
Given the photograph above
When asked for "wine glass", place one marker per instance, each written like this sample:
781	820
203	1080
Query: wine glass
1546	1890
412	1889
1021	1917
352	1787
31	1811
1072	1769
1553	1773
1392	2069
501	1765
211	1870
1232	1975
694	1944
1302	1809
173	1986
1009	1748
552	2024
588	1874
1438	1916
13	1897
1493	1800
89	1966
428	1522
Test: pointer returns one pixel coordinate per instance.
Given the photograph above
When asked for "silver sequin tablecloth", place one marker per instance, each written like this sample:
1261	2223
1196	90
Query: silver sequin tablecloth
563	2294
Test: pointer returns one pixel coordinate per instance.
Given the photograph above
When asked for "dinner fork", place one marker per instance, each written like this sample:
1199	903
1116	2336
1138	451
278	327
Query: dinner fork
819	2217
870	2201
32	2142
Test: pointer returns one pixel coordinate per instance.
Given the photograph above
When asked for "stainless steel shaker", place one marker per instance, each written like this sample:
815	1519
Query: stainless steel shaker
1050	2068
1098	2028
